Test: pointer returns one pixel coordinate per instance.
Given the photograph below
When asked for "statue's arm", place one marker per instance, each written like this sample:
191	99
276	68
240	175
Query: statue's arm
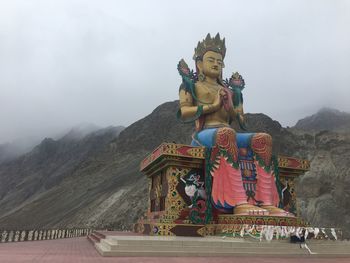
237	84
239	112
236	111
239	109
189	110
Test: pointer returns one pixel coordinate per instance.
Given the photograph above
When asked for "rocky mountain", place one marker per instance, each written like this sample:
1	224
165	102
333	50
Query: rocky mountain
325	119
29	182
95	181
324	191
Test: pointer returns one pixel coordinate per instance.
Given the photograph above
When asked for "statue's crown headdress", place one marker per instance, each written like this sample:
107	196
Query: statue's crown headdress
210	44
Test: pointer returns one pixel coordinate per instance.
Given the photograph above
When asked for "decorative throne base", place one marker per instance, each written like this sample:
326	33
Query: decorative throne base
170	211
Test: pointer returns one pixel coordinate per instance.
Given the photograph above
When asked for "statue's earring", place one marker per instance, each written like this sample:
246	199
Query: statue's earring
201	76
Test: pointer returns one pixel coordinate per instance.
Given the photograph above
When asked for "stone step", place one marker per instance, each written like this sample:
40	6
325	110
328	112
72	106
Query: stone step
113	245
154	251
280	244
191	253
199	243
211	250
102	249
213	246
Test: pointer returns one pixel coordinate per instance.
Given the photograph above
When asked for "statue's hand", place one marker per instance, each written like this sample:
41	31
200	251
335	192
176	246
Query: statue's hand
223	94
226	96
217	100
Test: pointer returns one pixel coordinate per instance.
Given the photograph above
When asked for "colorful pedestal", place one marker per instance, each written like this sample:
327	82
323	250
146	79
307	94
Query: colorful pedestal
170	166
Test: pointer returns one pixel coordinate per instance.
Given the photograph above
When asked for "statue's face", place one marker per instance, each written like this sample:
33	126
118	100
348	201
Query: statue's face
212	64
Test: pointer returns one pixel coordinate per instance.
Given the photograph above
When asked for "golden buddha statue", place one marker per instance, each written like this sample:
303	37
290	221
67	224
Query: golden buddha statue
214	104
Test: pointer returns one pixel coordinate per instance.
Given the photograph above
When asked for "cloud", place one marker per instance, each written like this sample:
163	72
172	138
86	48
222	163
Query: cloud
110	62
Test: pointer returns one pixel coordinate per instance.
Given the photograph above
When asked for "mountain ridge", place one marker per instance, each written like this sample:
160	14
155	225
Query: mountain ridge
325	119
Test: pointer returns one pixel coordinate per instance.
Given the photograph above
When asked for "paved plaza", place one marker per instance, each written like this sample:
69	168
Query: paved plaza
80	250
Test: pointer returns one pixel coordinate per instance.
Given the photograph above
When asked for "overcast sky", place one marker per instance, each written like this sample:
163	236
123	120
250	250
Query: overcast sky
110	62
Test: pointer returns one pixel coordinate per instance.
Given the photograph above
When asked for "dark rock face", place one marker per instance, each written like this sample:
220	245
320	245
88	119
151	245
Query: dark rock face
324	191
95	181
160	126
325	119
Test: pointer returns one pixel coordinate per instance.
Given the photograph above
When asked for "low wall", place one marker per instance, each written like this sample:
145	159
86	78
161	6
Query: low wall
41	234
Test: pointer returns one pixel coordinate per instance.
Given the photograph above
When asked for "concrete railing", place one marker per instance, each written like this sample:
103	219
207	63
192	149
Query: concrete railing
44	234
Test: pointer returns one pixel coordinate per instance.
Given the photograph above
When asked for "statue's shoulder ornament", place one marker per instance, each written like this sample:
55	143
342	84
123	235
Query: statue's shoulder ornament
189	77
236	84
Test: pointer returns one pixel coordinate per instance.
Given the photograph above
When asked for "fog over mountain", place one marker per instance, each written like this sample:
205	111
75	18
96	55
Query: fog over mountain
11	150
